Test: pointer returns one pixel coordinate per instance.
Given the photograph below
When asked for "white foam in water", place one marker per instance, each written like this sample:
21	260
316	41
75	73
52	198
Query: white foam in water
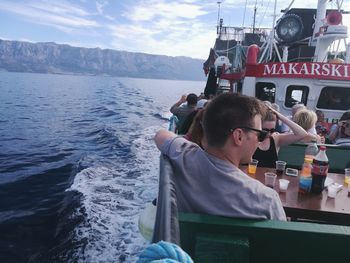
112	199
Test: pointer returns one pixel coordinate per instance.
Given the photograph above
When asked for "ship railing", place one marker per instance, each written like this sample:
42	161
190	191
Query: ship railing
238	33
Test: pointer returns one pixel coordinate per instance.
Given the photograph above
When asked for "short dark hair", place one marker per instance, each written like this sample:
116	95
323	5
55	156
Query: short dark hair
192	99
228	111
345	116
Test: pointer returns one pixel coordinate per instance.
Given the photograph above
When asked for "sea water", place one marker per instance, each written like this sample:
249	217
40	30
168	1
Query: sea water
78	164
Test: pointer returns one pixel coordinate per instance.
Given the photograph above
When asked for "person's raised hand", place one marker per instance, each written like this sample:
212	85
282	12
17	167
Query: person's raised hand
269	107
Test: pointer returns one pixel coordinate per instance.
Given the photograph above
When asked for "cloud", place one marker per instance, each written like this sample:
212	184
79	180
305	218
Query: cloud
100	5
61	15
57	7
169	27
149	10
172	39
176	28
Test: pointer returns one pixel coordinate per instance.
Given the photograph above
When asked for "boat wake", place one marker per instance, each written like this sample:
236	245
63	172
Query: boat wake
112	198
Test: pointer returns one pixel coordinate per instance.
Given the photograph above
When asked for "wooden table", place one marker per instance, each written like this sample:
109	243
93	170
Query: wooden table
314	207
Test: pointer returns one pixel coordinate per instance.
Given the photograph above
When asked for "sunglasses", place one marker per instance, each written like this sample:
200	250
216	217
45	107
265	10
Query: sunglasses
269	130
261	134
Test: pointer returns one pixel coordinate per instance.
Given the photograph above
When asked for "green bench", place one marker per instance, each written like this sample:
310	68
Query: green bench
338	156
209	238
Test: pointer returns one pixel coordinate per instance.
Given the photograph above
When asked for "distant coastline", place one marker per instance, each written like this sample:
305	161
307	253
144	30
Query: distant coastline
19	56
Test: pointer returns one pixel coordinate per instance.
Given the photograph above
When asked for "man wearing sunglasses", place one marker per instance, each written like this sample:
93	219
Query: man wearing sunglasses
338	131
345	137
209	181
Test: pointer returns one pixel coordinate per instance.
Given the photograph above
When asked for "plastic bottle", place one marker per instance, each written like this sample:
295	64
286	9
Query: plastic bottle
311	150
319	171
305	179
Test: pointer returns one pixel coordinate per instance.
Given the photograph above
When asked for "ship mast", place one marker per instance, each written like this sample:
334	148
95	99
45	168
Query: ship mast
219	3
270	43
218	24
245	10
254	17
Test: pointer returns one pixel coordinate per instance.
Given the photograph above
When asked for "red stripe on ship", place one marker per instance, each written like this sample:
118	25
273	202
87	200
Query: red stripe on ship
306	70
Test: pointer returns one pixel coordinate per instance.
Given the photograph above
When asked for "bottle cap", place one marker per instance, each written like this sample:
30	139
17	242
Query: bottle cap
322	148
307	160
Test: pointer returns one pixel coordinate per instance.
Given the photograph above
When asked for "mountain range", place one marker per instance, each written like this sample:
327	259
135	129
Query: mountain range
19	56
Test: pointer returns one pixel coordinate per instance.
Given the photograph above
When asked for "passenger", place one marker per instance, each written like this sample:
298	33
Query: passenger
201	96
201	103
345	139
267	151
189	119
322	126
195	132
335	100
337	130
182	110
210	181
307	120
295	109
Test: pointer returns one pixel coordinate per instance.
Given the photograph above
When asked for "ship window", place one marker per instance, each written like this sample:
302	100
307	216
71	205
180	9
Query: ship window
295	95
334	98
265	91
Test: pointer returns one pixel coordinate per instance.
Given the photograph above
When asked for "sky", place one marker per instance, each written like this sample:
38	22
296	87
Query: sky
163	27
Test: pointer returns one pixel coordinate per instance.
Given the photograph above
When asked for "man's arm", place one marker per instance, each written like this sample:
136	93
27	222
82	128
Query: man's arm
177	104
162	136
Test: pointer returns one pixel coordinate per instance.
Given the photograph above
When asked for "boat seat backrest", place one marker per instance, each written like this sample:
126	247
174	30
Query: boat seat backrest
209	238
338	156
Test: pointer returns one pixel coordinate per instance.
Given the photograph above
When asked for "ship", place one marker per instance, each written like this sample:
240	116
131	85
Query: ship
292	63
303	59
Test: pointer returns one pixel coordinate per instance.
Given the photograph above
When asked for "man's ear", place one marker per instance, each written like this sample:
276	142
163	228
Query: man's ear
237	136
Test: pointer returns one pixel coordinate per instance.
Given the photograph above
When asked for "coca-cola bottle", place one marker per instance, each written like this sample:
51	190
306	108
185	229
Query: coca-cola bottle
319	171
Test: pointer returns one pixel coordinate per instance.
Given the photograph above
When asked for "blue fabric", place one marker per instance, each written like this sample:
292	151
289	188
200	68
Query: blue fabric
164	252
173	123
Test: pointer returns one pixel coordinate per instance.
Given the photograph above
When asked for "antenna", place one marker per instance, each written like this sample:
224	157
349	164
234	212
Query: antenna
290	5
273	31
254	17
245	10
219	3
339	4
219	24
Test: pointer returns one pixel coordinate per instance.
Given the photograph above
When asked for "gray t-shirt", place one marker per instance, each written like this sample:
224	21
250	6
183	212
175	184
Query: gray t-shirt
206	184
